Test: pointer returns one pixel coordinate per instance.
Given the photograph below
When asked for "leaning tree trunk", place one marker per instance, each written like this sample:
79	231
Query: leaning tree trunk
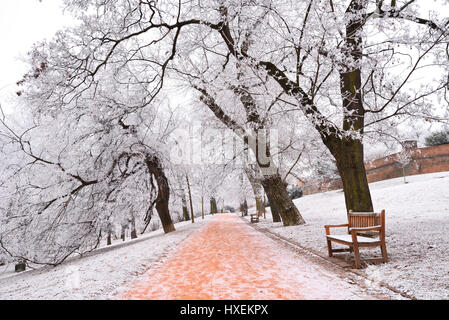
255	181
273	184
279	199
163	194
351	167
273	208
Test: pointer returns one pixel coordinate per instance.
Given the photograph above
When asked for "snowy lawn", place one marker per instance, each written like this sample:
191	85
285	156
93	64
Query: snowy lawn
417	224
101	274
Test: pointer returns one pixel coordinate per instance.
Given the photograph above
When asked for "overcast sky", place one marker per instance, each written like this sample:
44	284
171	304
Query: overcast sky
23	22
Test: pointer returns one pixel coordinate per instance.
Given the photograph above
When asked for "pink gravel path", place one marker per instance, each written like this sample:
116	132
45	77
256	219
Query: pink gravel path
227	259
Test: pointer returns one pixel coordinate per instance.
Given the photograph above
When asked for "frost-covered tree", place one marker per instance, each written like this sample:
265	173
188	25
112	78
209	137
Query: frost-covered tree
81	166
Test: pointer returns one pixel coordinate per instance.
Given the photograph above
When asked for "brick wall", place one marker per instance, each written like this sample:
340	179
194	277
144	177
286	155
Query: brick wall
321	186
422	160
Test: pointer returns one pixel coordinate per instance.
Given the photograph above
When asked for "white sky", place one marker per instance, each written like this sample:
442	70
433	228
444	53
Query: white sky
23	22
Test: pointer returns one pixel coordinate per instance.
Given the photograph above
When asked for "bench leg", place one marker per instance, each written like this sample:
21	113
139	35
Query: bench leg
329	247
383	248
356	256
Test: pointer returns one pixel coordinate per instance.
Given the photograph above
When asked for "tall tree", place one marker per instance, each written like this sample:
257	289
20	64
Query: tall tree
79	170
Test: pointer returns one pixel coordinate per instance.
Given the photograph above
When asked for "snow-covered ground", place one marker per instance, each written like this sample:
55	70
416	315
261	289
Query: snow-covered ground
101	274
417	224
417	220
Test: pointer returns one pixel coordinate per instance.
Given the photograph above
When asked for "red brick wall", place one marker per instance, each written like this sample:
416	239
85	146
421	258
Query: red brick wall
422	160
322	186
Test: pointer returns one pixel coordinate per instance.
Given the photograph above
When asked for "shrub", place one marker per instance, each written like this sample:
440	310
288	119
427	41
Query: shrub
294	192
437	138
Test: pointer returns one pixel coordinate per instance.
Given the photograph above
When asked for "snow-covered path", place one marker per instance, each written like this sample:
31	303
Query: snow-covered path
227	259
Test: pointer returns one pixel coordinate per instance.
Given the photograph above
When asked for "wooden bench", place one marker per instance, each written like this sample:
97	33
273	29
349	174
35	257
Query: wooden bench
254	217
365	229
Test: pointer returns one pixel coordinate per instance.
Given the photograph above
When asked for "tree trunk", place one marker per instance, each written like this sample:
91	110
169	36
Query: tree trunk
403	173
259	205
108	239
264	210
190	199
273	208
202	207
279	199
122	233
213	205
163	194
244	208
164	215
109	230
185	211
272	182
242	196
133	227
254	180
349	159
348	152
